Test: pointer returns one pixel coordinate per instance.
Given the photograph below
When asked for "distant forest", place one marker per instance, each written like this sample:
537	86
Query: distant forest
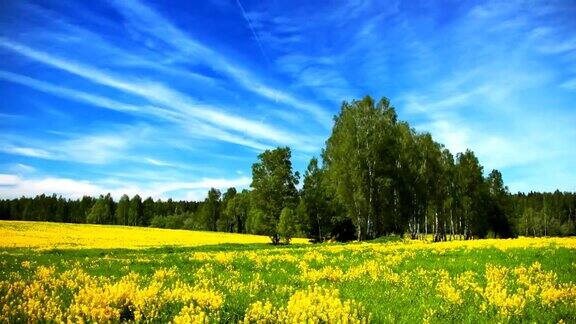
378	176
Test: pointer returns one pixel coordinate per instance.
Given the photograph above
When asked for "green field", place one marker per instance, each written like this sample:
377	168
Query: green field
520	280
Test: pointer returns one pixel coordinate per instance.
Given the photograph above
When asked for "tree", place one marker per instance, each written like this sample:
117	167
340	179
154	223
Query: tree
471	190
236	211
447	195
314	202
498	205
286	224
210	211
255	224
436	186
408	214
135	212
81	209
149	210
122	210
274	187
111	209
226	221
360	160
101	211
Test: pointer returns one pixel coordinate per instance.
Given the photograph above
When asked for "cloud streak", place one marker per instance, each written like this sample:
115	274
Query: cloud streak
149	22
26	151
221	123
12	186
256	38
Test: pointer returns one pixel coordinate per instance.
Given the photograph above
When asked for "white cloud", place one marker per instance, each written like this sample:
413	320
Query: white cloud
26	151
195	195
482	111
22	168
17	186
68	93
223	124
254	33
13	186
558	47
569	85
95	148
204	183
5	116
158	162
455	138
8	179
190	124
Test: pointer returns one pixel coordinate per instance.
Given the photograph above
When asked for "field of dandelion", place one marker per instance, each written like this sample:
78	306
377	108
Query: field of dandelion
160	279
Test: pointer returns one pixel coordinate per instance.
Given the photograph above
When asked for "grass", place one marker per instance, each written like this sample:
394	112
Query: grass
521	280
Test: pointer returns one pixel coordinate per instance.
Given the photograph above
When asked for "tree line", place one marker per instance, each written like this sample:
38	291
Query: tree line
377	176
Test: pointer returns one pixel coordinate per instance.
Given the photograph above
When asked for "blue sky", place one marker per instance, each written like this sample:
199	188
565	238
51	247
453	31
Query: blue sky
171	98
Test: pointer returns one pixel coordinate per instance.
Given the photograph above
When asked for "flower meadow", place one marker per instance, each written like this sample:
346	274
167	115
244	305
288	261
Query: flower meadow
43	235
516	280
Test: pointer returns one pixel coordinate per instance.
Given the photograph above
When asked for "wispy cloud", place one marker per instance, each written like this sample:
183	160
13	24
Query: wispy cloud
158	162
160	95
21	168
96	148
193	126
569	85
559	47
15	186
68	93
26	151
256	37
147	21
9	179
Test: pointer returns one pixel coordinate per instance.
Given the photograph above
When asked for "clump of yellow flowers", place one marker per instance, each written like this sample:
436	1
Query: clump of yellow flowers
313	305
99	299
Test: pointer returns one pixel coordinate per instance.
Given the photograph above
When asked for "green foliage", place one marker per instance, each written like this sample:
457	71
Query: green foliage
360	162
210	210
176	221
235	213
499	205
315	212
226	221
274	187
148	211
135	212
539	214
287	224
471	190
102	212
122	210
97	212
